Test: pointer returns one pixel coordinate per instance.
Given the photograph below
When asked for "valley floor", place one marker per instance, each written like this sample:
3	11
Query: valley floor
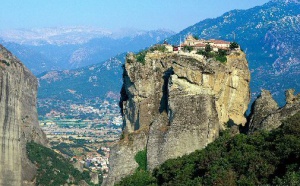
86	133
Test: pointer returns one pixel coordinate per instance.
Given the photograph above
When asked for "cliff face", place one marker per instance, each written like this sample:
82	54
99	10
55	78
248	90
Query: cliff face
18	120
177	103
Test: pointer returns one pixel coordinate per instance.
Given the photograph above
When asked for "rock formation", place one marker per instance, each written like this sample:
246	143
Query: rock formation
263	106
94	178
173	104
266	115
18	121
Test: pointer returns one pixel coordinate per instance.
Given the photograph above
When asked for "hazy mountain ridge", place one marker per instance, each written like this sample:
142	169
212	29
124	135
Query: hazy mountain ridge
57	36
269	34
69	35
87	82
76	47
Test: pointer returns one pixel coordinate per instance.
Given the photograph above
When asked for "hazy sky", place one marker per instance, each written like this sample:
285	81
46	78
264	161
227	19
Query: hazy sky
113	14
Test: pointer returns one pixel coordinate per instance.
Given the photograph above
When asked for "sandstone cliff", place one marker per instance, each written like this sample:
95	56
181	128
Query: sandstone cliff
266	115
18	120
174	104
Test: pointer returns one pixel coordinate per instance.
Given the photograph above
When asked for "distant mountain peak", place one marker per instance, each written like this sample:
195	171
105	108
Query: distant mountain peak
286	1
69	35
53	35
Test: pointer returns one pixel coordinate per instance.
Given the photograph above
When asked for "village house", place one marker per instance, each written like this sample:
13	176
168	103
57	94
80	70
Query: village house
168	46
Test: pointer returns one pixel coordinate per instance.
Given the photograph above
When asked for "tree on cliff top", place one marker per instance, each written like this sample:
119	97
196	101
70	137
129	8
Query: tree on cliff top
208	48
233	45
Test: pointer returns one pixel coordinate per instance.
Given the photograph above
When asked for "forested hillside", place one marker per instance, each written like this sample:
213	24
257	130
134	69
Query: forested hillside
263	158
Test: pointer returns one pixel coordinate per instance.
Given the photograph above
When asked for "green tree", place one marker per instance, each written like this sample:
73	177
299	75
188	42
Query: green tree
208	48
195	37
139	178
141	159
188	48
140	57
234	45
220	58
161	48
222	52
201	52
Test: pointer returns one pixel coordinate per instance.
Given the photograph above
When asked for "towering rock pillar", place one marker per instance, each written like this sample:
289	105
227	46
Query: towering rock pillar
174	104
18	121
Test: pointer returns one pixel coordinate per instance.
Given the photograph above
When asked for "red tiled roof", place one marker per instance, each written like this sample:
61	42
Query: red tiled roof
219	41
200	45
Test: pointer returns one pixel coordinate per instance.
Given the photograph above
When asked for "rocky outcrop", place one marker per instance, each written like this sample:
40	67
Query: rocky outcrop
265	112
179	102
122	161
263	106
291	98
94	178
78	165
18	121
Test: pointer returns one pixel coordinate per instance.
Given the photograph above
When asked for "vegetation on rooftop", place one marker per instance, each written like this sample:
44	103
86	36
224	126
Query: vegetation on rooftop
263	158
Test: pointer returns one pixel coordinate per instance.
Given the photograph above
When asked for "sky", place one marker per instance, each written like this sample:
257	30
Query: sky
173	15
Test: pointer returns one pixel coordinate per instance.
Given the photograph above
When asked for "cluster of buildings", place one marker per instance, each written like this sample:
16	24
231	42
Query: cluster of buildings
199	44
56	114
85	109
90	111
98	161
82	127
94	161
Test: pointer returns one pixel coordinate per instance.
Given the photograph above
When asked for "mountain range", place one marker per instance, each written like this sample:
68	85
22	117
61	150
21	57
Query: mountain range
268	34
74	47
100	80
